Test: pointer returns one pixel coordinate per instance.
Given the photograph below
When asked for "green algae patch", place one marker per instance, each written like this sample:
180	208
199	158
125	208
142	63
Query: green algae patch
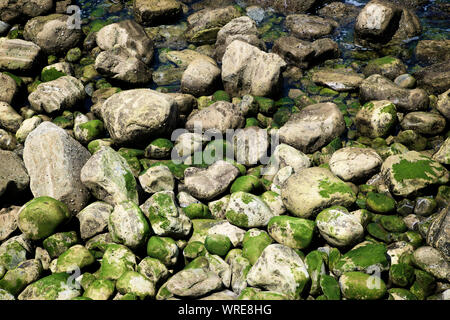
327	188
51	74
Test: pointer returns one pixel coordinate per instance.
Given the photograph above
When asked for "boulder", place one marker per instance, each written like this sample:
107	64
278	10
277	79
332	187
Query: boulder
201	78
426	123
248	70
433	51
376	119
389	67
313	127
54	161
13	10
9	88
18	55
434	79
13	174
309	27
151	12
338	80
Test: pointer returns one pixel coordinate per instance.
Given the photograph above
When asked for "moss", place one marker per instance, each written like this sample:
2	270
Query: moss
412	237
198	263
423	285
363	257
295	232
197	211
401	274
218	244
236	218
246	184
51	74
59	243
221	95
176	169
160	248
327	188
402	293
266	105
378	232
162	143
420	169
380	203
356	286
330	287
251	122
17	79
393	223
254	244
93	128
73	55
194	249
328	92
383	61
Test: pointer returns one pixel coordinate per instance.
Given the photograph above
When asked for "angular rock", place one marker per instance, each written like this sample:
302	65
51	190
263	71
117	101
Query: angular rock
355	164
205	184
26	127
205	227
193	283
389	67
309	27
376	119
137	115
53	33
443	104
11	11
313	127
201	78
280	269
108	176
54	161
94	219
443	154
248	70
13	174
8	221
248	211
314	189
156	179
377	87
250	145
9	87
287	6
18	55
409	172
439	233
151	12
338	80
132	282
435	78
285	156
9	119
432	261
57	95
76	257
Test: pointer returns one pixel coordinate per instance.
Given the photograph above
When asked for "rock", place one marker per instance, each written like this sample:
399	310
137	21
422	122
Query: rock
313	189
341	12
309	27
205	184
164	249
409	172
108	176
166	217
135	283
100	290
12	252
116	260
193	283
94	219
159	149
377	87
26	127
248	70
121	64
405	81
57	286
204	25
127	225
58	243
205	227
426	123
443	104
53	33
353	164
376	119
243	29
432	261
250	145
219	116
280	269
285	156
77	257
438	233
7	140
151	12
40	217
153	269
313	127
433	51
380	203
156	179
201	78
296	233
54	161
188	143
247	210
24	58
11	11
9	88
443	154
8	221
435	78
339	227
143	113
338	80
15	280
126	34
183	58
287	6
57	95
13	174
361	286
389	67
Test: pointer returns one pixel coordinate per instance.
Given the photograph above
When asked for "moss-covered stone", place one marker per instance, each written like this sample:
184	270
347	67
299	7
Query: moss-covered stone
423	285
194	249
218	244
60	242
401	274
296	233
164	249
135	283
51	74
100	290
249	184
15	280
95	145
57	286
257	294
361	286
221	95
330	287
393	223
380	203
40	217
266	105
73	55
401	294
76	257
159	149
254	243
117	260
316	268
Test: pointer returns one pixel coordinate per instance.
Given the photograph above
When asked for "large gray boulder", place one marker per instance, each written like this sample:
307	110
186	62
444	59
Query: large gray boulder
25	56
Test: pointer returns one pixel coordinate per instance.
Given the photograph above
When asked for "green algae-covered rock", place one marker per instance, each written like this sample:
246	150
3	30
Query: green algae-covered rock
164	249
240	266
218	244
247	184
109	177
128	225
281	269
117	260
97	144
77	257
266	105
401	274
361	286
365	257
166	218
247	210
60	242
401	294
12	253
88	131
5	295
40	217
100	290
136	283
293	232
15	280
258	294
377	231
159	149
58	286
330	287
153	269
409	172
423	285
316	268
204	227
197	211
255	241
221	95
380	203
194	249
339	227
393	223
